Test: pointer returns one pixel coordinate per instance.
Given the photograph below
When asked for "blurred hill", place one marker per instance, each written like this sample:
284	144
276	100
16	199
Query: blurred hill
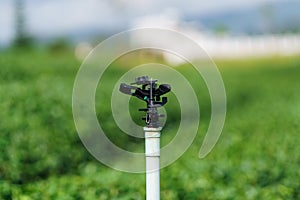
275	18
270	18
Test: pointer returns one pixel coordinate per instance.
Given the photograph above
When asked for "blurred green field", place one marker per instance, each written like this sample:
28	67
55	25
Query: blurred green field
41	156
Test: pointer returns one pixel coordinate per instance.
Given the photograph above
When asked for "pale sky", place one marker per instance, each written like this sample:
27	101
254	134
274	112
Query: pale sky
50	18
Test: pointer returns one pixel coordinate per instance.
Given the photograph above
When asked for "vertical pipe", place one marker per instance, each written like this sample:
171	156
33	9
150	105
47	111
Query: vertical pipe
152	152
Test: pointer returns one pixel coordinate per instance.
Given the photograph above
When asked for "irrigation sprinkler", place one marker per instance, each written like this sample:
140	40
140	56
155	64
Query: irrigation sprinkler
151	93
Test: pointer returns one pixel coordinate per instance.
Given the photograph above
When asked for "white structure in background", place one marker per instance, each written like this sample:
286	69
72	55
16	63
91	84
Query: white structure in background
82	50
225	47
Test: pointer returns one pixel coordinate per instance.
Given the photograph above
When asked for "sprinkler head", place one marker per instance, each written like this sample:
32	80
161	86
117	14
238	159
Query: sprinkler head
151	94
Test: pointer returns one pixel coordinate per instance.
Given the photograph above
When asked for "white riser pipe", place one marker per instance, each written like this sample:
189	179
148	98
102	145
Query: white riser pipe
152	152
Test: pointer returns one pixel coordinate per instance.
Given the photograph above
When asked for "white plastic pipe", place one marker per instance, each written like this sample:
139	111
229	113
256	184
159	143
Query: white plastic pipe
152	151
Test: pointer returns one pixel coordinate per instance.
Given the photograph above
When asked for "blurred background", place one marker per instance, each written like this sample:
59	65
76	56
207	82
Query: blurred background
255	44
230	29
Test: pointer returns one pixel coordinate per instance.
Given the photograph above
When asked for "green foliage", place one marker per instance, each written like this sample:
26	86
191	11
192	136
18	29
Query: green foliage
59	45
41	156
